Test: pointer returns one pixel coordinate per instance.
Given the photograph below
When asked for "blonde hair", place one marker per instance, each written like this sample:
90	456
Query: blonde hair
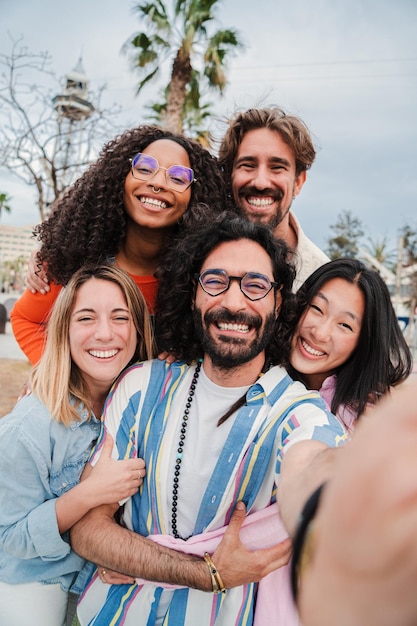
56	380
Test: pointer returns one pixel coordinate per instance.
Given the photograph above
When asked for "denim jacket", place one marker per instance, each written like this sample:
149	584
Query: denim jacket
40	459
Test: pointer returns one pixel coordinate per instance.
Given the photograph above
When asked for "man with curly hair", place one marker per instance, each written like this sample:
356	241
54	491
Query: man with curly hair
265	154
223	431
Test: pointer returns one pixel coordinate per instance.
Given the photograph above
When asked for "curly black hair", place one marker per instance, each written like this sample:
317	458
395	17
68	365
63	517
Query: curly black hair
88	224
183	260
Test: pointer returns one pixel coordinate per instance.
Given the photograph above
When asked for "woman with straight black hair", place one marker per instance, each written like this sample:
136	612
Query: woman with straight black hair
347	341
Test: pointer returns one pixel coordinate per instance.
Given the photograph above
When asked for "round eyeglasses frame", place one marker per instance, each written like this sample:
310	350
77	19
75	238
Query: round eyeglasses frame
169	182
269	284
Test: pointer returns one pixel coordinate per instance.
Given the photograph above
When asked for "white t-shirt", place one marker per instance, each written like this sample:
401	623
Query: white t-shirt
204	441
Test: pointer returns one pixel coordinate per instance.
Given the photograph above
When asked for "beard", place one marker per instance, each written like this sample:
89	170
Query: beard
272	221
228	352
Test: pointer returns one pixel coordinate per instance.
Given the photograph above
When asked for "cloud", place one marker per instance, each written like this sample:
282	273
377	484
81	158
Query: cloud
349	69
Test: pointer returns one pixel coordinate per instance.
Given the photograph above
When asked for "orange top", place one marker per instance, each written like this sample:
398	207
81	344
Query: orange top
30	314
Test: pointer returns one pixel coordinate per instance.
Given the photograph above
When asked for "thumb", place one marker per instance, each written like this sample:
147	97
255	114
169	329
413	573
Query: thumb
108	443
239	515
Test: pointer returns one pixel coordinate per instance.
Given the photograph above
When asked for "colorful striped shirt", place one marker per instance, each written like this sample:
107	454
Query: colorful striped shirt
278	413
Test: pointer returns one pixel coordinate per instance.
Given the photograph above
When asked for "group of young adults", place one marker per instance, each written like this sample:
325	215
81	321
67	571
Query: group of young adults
215	449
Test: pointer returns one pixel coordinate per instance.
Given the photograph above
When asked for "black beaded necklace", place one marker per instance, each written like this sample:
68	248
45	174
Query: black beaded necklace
180	451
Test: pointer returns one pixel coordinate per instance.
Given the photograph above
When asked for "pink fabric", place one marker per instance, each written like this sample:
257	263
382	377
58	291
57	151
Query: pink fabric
274	603
344	413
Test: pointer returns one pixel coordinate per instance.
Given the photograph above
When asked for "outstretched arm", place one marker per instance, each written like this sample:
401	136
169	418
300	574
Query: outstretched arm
364	552
305	466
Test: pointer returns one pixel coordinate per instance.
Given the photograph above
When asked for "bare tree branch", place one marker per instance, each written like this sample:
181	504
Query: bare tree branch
43	149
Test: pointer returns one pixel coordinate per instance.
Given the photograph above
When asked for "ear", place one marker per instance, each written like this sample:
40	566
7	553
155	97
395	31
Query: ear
299	182
278	302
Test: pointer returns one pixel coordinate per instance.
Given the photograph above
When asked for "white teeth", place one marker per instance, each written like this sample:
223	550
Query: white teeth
239	328
254	201
103	354
153	202
311	350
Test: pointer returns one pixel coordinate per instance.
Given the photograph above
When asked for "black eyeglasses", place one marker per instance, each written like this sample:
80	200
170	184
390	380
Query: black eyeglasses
178	177
253	285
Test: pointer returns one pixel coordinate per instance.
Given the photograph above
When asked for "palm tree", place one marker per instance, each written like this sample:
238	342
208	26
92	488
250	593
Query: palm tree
4	203
380	250
195	113
182	38
348	230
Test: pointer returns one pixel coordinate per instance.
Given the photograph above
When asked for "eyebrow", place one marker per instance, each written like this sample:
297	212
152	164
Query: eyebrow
355	317
91	310
271	160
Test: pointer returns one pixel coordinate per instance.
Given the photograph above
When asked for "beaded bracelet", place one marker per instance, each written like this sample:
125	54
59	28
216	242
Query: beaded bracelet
304	540
216	579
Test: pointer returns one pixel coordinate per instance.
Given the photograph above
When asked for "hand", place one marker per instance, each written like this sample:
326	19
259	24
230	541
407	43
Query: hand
237	565
26	390
110	577
167	356
111	480
36	278
364	562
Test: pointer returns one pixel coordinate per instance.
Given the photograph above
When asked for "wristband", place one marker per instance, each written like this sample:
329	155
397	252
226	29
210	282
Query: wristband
304	540
216	579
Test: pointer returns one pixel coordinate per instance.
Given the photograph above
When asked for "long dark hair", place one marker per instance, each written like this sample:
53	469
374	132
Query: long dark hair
174	316
88	224
382	358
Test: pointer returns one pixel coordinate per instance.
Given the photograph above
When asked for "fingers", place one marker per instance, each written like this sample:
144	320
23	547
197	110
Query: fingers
237	518
108	443
167	356
36	278
35	284
26	391
231	535
110	577
278	555
141	475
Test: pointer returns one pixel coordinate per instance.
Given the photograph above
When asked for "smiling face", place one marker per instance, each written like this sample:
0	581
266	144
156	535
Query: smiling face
102	334
328	331
162	209
233	329
264	180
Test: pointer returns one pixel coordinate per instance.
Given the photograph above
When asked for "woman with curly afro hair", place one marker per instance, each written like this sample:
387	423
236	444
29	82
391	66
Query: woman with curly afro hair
147	186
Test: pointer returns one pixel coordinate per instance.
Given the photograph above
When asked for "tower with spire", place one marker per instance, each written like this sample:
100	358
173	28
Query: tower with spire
72	103
72	144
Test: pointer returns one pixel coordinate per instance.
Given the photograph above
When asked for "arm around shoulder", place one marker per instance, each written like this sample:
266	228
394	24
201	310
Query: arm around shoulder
28	318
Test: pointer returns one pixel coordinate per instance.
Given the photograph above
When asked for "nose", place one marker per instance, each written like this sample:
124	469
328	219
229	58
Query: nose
321	331
261	179
233	298
104	330
158	180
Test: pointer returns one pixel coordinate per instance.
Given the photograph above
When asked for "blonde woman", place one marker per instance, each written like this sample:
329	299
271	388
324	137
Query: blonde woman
98	326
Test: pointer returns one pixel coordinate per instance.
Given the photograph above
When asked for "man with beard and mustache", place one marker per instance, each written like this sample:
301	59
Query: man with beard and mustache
265	154
224	432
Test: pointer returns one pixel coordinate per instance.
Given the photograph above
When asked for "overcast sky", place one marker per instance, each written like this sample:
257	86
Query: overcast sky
347	67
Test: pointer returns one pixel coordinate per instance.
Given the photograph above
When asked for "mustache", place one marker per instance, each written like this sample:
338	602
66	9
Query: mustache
269	192
224	315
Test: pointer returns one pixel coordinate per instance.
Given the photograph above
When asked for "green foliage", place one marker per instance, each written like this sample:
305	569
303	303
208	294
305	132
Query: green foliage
194	113
409	235
348	231
379	249
182	37
4	203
